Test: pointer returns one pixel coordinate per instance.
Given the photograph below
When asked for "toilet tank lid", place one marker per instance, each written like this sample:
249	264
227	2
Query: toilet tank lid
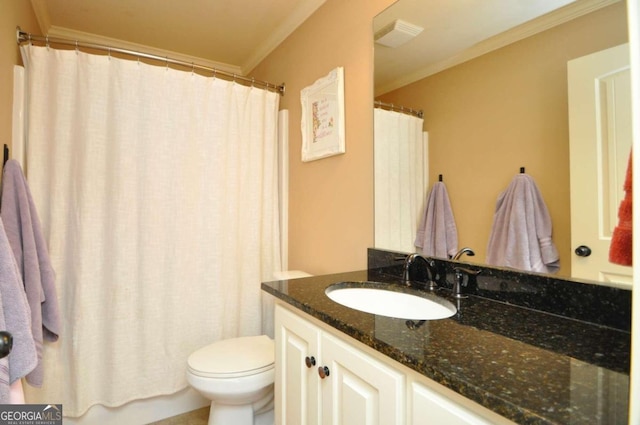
290	274
231	356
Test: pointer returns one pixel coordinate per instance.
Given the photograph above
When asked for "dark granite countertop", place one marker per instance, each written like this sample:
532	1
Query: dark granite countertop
529	366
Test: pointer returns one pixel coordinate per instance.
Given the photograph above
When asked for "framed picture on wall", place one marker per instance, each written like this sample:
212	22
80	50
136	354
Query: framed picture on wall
323	117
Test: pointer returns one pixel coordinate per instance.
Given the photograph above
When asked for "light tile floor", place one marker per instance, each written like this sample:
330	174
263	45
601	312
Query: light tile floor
196	417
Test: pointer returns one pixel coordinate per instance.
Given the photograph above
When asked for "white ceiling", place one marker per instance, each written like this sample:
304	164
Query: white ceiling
459	30
235	35
232	35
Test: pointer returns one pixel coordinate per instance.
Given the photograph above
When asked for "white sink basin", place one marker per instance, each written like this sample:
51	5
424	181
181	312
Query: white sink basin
376	299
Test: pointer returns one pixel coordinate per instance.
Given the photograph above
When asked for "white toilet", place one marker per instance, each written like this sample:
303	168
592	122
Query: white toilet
237	375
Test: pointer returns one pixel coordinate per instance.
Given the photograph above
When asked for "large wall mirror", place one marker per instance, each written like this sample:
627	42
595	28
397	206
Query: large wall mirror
491	79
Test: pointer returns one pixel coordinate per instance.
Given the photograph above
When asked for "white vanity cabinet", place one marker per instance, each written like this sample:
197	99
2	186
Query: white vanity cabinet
297	384
362	386
322	380
359	389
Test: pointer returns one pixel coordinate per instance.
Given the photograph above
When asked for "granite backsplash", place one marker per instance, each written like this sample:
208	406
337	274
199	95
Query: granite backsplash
580	300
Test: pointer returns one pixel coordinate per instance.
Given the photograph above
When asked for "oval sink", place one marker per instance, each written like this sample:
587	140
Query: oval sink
403	303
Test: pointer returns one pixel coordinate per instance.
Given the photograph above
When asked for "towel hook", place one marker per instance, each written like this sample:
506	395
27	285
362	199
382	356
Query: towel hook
6	154
521	170
439	177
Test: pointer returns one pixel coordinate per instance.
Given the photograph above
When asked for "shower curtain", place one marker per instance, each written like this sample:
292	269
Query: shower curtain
401	182
157	192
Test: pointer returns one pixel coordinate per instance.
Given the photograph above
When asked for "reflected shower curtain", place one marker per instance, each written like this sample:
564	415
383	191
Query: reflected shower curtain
157	191
401	169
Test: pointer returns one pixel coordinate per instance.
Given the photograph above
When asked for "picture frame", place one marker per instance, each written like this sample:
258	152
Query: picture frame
322	121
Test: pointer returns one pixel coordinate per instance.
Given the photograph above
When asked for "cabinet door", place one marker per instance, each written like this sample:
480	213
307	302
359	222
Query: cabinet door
297	387
431	408
359	389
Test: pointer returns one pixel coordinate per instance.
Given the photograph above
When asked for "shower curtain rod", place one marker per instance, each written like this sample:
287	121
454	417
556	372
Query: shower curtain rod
402	109
24	37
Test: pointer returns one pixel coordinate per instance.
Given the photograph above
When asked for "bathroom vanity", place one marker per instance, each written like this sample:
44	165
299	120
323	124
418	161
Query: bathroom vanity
492	362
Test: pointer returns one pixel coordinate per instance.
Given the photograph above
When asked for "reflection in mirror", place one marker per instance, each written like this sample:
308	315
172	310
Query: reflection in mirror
493	105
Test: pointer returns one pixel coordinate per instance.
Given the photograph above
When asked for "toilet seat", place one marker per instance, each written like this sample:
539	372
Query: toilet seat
233	358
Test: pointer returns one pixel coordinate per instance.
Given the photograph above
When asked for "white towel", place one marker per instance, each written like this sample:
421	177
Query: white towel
29	247
521	233
437	235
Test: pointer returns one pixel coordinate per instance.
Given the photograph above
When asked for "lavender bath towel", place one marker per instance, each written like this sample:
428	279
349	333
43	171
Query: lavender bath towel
437	234
521	233
16	319
29	247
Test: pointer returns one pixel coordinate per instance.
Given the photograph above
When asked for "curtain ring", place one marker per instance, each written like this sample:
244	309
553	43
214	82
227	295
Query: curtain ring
76	47
215	72
109	53
193	68
253	80
47	41
30	41
166	58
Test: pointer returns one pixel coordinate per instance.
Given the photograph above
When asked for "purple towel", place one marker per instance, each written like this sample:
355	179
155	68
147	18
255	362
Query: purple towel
29	247
15	318
437	234
521	233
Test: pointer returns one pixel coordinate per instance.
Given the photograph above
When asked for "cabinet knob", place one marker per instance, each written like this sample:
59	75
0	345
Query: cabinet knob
6	343
583	251
323	371
310	361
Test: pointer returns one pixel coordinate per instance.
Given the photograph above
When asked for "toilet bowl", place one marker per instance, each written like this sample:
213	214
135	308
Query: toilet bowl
237	376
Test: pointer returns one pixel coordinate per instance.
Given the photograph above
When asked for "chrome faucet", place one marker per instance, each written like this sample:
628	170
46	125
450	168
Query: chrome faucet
465	250
409	260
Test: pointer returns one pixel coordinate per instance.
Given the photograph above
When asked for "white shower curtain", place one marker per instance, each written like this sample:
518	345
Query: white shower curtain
157	192
401	170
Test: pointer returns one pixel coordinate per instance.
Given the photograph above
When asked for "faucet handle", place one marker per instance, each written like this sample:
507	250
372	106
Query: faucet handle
467	271
459	280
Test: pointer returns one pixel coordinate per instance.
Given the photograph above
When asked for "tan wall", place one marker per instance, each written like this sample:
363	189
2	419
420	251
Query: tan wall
331	200
490	116
12	13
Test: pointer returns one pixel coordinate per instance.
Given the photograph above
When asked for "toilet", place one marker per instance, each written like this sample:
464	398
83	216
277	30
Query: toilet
237	375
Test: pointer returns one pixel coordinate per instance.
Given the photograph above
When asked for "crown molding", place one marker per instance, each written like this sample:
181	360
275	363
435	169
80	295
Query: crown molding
302	12
70	34
528	29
